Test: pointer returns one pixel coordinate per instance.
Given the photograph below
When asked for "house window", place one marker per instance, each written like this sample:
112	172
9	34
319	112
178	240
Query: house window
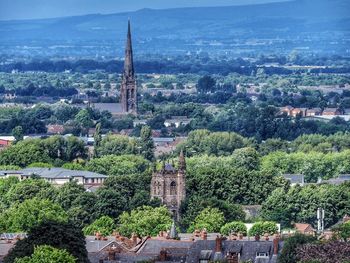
173	188
92	180
262	254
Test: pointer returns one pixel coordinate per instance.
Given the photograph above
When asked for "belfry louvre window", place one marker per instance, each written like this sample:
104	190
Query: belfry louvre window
173	188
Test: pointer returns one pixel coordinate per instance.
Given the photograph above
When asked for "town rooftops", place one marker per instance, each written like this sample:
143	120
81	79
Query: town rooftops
163	139
114	108
295	178
53	173
338	180
191	251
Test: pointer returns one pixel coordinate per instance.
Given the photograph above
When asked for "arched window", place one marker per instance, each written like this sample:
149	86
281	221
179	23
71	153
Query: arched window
172	188
157	188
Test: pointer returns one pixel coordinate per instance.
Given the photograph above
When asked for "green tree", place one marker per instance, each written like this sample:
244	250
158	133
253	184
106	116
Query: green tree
247	158
298	204
261	228
21	217
17	132
104	225
233	227
74	149
213	143
40	165
97	138
288	253
206	84
84	120
79	204
118	165
47	254
116	145
196	203
58	235
146	143
211	219
24	153
28	189
145	221
343	231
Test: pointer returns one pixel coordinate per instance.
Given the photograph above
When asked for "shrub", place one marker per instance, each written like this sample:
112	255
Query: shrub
9	167
237	227
104	225
261	228
40	165
211	219
288	253
47	254
145	221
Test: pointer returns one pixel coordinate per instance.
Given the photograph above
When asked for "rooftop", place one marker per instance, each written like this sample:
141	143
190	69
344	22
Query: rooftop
53	173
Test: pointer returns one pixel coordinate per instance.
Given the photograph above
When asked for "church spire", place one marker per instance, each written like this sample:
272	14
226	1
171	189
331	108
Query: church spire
128	88
128	63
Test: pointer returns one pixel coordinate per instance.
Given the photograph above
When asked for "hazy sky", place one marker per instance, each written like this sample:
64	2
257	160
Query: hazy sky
26	9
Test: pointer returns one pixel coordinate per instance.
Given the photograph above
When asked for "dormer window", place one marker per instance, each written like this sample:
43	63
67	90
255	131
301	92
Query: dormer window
262	254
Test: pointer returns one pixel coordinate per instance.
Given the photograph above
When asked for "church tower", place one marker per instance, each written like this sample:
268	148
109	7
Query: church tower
169	185
128	89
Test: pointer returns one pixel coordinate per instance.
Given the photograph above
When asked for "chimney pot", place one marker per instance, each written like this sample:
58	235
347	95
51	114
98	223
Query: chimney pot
276	244
162	256
218	244
134	239
204	234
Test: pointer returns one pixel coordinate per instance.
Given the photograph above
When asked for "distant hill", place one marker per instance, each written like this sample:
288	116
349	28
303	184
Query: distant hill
315	20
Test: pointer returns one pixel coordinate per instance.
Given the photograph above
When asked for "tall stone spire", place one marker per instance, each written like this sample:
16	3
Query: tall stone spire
128	89
129	63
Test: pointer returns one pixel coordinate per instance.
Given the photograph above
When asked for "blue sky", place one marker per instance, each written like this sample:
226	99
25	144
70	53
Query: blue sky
28	9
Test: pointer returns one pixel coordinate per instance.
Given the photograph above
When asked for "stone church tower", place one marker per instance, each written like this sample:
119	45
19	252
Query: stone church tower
169	185
128	88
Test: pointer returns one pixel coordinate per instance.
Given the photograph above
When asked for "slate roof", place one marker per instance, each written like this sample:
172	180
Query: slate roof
339	180
169	168
114	108
294	178
247	249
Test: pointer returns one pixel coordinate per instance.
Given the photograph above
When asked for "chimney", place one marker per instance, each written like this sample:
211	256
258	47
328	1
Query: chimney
204	234
218	244
111	255
134	239
162	255
276	244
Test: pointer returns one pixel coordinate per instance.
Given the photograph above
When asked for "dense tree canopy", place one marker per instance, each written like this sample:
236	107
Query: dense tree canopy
145	221
21	217
58	235
104	226
299	204
210	219
50	150
46	253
